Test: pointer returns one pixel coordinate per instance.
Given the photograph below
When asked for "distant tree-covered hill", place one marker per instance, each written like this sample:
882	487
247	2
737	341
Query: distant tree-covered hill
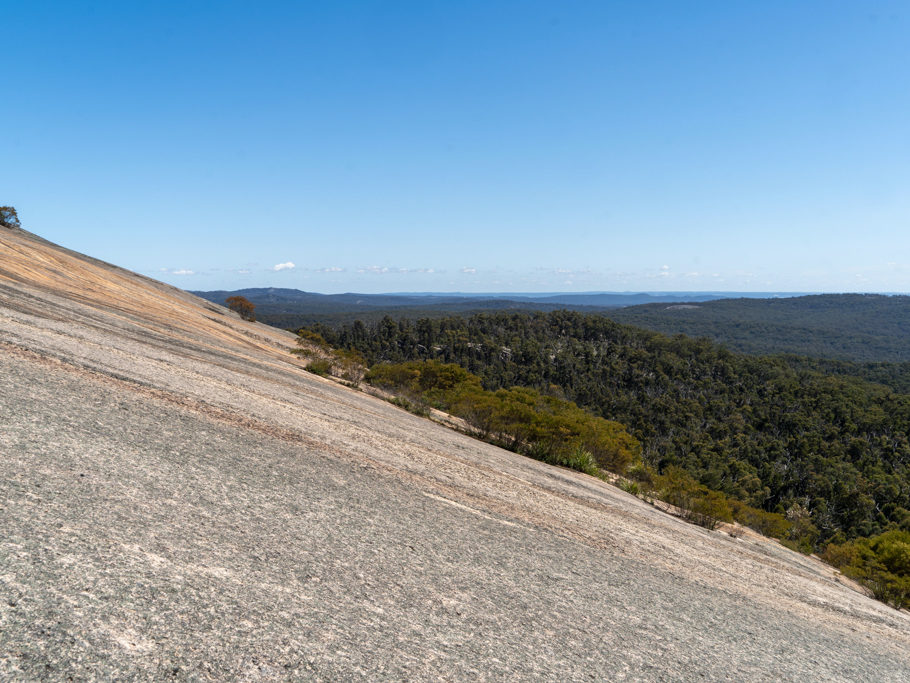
293	308
853	327
859	328
778	434
860	335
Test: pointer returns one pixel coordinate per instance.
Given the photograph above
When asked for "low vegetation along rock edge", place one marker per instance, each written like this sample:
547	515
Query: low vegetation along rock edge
556	431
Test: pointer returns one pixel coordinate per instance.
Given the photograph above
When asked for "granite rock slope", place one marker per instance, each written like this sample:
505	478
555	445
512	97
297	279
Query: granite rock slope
180	499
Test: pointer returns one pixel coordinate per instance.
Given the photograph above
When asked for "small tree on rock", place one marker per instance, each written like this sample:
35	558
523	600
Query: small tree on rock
242	306
8	217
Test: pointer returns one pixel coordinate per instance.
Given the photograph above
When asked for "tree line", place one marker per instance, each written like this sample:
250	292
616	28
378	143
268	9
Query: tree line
829	452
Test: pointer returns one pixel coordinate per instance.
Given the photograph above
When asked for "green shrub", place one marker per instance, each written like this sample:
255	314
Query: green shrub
305	337
578	459
544	427
802	534
394	377
538	451
629	486
677	487
881	563
348	365
321	367
709	508
412	407
695	502
574	458
643	475
771	524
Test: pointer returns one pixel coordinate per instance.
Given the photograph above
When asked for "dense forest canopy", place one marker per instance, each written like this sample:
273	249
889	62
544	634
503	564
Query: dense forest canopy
860	328
293	308
759	429
863	335
520	419
866	328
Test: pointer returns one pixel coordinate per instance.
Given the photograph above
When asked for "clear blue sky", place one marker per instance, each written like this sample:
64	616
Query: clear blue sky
470	146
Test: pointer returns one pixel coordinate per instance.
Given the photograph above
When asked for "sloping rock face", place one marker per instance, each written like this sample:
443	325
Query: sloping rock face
180	499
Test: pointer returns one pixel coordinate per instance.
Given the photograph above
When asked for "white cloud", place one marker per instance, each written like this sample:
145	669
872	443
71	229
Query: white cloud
376	270
183	271
330	269
469	271
283	266
244	271
665	267
416	270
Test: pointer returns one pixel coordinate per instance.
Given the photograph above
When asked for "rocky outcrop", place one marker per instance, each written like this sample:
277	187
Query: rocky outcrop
179	498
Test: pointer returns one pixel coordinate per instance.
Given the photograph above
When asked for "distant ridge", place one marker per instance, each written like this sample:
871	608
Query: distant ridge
293	308
870	328
586	299
864	328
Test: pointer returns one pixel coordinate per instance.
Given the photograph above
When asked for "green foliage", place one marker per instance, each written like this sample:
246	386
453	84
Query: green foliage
630	487
802	534
761	431
863	328
346	364
242	307
320	366
881	563
771	524
677	488
895	376
292	309
695	502
710	508
865	335
418	408
312	338
349	365
643	475
544	427
575	458
9	218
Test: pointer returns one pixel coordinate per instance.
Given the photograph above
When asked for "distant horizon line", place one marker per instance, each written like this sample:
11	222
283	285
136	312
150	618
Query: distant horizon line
690	292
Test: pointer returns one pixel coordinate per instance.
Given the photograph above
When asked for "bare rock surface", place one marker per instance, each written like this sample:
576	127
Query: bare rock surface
179	499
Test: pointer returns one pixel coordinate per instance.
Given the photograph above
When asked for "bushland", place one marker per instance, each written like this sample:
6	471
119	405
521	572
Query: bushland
881	563
520	419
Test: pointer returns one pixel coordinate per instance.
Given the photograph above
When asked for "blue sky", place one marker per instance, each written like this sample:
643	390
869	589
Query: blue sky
466	146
